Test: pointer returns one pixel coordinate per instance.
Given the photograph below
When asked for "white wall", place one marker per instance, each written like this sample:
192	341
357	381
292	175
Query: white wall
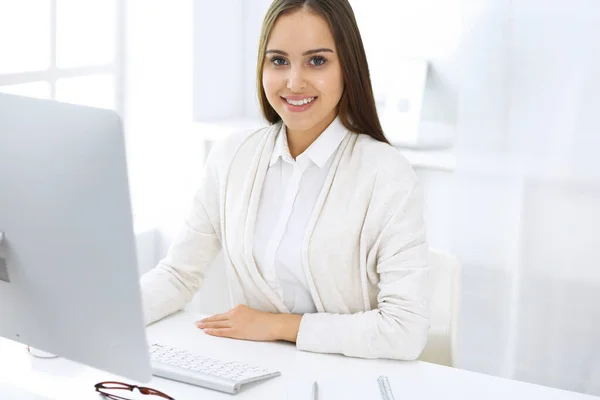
530	86
165	157
218	33
225	40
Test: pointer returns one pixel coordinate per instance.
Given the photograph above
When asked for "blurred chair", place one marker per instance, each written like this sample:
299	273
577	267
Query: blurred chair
441	345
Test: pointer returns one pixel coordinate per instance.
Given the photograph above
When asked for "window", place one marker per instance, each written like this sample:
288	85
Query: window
67	50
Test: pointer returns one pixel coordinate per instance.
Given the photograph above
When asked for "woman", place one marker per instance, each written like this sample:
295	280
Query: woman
319	218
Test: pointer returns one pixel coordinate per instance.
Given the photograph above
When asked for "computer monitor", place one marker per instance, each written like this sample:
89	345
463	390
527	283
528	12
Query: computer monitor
69	283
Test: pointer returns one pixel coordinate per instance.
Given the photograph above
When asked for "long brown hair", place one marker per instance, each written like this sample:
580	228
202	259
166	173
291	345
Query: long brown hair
357	109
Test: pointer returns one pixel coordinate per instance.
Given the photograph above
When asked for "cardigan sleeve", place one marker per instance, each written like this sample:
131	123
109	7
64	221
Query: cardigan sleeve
397	328
172	284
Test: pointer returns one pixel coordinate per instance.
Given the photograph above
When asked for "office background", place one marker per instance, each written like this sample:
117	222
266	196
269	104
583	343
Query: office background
507	149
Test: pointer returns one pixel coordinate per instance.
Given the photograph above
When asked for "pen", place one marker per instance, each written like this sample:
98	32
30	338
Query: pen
315	391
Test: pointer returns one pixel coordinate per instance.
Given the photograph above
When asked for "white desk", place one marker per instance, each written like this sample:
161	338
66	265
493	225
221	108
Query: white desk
339	377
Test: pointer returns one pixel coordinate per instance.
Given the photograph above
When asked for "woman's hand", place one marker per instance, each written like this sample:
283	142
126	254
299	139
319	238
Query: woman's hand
246	323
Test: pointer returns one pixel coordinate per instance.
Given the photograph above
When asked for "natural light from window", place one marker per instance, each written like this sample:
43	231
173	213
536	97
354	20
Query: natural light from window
67	50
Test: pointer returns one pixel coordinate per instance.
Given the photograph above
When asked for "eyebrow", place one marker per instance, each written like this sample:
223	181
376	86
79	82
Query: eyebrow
306	53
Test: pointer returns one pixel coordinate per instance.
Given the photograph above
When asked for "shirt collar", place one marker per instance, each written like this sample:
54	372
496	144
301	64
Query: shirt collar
319	151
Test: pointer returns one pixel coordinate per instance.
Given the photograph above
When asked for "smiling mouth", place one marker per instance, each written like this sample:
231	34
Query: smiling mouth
302	102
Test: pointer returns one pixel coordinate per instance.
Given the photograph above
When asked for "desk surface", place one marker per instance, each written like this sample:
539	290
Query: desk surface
339	377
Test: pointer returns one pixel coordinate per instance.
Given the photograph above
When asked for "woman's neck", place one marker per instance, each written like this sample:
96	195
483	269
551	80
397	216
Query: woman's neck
299	141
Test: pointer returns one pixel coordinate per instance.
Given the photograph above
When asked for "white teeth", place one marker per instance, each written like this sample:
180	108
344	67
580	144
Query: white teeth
300	102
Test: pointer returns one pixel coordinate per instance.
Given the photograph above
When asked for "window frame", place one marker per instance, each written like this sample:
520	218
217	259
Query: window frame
51	75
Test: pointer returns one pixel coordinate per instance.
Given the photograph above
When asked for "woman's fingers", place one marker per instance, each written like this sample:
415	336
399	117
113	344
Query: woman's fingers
222	332
214	324
217	317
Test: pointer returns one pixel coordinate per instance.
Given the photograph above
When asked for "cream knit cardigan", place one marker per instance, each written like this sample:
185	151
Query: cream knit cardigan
364	251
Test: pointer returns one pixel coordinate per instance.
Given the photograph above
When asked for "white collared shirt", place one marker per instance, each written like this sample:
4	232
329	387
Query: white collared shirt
290	192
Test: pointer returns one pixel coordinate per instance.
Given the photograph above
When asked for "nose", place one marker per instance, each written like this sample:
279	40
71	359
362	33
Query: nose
296	82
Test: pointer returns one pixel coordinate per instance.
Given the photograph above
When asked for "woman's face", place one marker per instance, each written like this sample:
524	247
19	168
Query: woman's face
302	76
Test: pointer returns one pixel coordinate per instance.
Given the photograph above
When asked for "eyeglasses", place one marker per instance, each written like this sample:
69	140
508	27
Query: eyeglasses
108	389
40	354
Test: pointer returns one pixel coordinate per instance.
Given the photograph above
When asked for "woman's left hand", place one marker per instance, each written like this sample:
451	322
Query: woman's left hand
246	323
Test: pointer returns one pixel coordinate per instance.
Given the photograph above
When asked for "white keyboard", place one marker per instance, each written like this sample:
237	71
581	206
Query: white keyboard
183	366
